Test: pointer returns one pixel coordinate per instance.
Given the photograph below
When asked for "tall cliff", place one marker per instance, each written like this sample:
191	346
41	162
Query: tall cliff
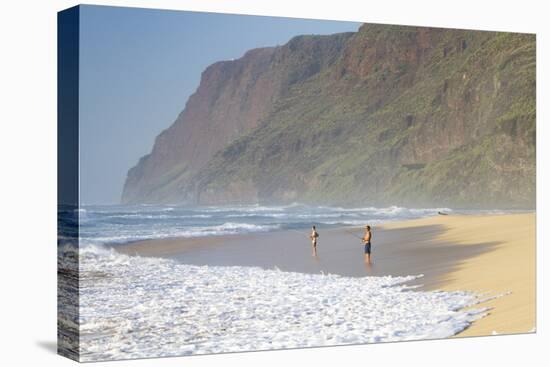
232	99
387	115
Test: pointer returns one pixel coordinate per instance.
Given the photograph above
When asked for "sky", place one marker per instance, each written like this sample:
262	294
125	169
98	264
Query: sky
139	66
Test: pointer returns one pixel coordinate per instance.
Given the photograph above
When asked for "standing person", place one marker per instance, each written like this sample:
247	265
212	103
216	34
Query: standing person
314	235
366	240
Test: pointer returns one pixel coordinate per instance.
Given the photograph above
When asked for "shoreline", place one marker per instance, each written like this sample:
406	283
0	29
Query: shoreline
488	254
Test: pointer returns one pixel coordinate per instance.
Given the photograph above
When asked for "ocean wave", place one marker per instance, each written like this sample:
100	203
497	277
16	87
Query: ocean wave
128	304
327	215
131	235
158	216
244	226
388	211
119	224
251	208
259	214
355	222
140	216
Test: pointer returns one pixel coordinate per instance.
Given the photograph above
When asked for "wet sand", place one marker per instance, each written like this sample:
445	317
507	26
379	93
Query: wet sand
477	253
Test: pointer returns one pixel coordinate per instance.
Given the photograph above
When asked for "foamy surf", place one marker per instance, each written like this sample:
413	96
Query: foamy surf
133	307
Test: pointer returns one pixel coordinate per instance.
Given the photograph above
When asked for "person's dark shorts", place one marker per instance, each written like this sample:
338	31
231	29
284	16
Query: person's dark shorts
367	248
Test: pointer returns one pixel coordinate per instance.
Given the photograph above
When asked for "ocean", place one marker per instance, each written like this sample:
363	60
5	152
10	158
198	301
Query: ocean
122	224
135	307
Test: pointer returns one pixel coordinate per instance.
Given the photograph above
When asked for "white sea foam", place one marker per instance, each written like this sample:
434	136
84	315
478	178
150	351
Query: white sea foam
130	234
389	211
134	307
158	216
251	208
142	216
358	222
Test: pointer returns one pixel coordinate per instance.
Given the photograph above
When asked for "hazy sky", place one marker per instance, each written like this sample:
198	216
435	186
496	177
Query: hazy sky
139	66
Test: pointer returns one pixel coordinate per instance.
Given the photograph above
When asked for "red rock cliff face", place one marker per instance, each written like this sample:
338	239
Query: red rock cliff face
391	47
233	97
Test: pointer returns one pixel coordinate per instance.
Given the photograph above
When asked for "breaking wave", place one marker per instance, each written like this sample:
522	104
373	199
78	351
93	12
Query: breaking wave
133	307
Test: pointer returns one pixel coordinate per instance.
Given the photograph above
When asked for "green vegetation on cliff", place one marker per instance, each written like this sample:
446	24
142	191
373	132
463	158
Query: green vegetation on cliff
397	115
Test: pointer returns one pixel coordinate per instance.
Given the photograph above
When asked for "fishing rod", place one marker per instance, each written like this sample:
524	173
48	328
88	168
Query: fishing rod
353	234
308	236
300	232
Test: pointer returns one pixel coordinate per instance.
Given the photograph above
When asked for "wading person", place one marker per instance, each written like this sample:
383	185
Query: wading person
366	240
314	235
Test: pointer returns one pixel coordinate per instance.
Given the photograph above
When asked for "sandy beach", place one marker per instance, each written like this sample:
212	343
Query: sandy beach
492	254
509	267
